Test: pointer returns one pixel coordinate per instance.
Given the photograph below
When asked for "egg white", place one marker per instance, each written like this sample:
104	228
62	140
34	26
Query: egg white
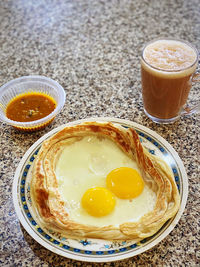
85	164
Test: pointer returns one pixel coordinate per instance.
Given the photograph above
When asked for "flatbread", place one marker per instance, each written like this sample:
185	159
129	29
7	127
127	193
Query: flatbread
50	207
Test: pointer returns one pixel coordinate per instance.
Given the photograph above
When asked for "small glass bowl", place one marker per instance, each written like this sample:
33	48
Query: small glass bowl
27	84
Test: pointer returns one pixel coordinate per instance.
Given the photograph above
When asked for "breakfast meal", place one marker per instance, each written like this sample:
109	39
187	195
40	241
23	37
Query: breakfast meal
96	180
30	106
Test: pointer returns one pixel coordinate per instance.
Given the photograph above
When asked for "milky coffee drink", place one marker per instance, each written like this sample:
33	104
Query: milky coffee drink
166	70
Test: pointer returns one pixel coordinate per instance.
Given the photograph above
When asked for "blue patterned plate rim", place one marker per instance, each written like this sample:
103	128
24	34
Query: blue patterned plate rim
114	251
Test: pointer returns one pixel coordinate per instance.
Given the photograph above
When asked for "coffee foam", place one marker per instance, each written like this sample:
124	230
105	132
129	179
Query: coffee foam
170	58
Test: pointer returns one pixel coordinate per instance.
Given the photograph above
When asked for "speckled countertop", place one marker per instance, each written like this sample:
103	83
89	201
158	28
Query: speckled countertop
92	49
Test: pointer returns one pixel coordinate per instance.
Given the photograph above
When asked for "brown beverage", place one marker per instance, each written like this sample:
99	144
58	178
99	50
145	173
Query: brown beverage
166	70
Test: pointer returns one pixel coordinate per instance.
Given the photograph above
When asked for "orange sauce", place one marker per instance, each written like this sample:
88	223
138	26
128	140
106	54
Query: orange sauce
30	106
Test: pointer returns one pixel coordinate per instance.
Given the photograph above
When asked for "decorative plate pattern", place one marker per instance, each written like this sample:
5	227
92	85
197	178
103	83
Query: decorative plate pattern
95	250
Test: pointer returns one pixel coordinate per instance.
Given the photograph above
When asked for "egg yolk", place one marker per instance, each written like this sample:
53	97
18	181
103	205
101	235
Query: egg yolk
98	201
125	182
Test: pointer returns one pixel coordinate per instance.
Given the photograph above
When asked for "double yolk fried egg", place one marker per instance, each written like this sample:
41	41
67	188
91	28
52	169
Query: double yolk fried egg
100	185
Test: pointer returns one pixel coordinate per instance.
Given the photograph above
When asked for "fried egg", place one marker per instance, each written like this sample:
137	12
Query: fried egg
100	184
125	182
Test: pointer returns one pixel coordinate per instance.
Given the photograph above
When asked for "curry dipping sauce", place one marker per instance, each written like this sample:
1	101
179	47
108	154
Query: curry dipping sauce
30	106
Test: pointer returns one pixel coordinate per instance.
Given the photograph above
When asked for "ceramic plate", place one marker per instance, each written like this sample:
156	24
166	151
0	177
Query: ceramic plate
96	250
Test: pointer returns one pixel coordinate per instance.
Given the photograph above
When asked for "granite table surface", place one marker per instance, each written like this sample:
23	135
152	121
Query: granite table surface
92	48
